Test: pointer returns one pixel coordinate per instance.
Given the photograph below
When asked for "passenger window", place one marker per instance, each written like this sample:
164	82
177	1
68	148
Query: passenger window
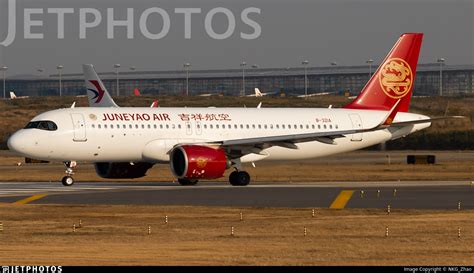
259	126
253	126
161	126
205	126
130	126
217	126
248	127
337	127
98	126
283	126
319	126
307	126
179	126
265	126
301	126
167	126
229	126
136	126
330	126
105	126
235	126
93	125
296	126
154	126
211	126
312	126
278	126
324	126
111	126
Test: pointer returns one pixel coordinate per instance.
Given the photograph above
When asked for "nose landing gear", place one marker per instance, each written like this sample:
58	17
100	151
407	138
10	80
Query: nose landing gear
68	180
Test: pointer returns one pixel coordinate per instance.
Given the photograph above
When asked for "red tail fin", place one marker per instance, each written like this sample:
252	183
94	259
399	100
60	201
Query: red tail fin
136	92
394	79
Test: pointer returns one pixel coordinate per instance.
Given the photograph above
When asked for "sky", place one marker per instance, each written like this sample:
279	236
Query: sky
283	33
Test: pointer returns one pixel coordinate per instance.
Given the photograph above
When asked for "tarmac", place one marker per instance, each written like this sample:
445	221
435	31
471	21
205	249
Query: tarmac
444	195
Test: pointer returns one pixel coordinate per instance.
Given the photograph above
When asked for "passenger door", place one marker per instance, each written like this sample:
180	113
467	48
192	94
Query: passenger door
79	127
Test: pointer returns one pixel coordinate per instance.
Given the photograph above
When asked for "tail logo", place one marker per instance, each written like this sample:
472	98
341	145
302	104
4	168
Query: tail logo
396	78
98	93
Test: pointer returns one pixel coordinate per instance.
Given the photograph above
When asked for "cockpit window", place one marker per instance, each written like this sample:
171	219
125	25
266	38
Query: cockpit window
42	125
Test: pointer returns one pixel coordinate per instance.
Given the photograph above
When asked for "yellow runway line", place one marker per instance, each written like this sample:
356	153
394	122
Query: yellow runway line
341	200
30	199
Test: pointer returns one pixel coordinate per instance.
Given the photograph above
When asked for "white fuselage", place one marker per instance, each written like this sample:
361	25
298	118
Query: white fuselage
148	134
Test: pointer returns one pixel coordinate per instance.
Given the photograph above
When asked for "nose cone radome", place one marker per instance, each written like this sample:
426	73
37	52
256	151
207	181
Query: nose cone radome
17	142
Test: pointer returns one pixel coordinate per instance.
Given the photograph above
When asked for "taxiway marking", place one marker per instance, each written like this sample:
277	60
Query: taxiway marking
30	199
341	200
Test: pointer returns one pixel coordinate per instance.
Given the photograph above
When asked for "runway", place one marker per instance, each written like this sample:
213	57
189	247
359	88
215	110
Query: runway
413	195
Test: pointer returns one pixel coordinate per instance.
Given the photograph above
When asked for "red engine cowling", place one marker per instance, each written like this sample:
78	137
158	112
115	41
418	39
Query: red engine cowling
198	162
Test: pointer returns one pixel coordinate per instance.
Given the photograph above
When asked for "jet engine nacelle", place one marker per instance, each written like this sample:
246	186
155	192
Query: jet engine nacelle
122	170
198	162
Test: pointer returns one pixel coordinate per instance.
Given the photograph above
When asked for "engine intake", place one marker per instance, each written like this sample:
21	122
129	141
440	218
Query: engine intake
122	170
198	162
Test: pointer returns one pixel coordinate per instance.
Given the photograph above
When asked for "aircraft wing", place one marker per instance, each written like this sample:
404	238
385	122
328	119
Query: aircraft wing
410	122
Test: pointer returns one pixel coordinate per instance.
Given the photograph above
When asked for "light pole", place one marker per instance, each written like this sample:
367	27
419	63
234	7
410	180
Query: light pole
4	70
60	68
370	61
117	66
305	64
186	66
243	64
441	62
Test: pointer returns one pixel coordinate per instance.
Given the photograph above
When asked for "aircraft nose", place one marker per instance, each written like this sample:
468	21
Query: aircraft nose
16	143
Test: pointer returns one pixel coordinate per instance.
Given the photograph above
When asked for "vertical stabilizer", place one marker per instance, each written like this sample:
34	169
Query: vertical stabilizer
96	92
394	79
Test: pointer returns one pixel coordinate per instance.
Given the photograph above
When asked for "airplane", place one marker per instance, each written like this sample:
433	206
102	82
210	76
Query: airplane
202	143
136	92
13	96
258	93
315	94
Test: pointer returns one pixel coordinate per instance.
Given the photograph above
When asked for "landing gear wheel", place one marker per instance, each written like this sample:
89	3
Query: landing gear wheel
187	182
67	181
239	178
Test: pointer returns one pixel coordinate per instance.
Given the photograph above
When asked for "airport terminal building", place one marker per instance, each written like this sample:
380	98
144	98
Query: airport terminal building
456	80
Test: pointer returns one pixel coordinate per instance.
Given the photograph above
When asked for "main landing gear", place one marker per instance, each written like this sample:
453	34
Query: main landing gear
68	180
238	178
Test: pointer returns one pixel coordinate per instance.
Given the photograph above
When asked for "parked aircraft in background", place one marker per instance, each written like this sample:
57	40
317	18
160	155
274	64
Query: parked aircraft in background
136	92
316	94
258	93
202	143
14	97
